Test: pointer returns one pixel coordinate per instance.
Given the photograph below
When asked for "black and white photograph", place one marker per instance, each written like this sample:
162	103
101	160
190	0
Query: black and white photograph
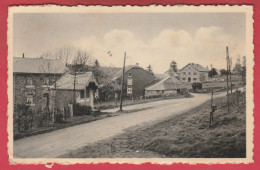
130	84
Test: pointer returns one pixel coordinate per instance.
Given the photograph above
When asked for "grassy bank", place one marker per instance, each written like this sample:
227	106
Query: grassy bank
186	135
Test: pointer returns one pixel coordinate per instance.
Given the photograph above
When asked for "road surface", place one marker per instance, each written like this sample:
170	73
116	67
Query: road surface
59	142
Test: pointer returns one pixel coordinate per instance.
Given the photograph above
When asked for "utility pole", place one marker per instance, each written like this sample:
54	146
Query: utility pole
227	76
122	84
230	65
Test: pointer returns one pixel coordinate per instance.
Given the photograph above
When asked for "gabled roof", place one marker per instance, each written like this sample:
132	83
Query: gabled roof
127	68
197	67
38	65
168	83
66	82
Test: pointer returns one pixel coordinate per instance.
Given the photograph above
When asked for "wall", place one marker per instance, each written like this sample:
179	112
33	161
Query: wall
21	89
153	93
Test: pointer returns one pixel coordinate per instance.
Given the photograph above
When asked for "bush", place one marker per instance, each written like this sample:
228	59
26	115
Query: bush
196	86
59	118
80	110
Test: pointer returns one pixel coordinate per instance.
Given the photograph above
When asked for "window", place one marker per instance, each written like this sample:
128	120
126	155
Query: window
82	94
46	81
129	74
130	81
183	78
194	79
189	73
29	81
129	90
29	99
194	73
183	72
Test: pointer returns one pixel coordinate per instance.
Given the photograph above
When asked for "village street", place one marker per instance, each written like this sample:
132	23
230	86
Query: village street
59	142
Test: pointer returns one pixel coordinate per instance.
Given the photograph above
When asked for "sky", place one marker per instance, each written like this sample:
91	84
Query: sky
153	39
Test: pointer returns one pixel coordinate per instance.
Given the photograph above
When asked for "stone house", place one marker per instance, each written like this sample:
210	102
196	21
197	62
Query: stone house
85	86
169	86
135	80
193	73
32	78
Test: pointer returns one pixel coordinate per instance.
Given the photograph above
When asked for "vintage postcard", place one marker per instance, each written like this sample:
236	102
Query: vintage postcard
159	84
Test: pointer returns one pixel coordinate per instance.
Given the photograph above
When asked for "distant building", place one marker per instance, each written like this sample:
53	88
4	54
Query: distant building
193	73
172	71
169	86
32	78
135	80
238	67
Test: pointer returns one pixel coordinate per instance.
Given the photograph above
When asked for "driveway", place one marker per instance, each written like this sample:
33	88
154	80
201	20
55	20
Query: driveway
53	144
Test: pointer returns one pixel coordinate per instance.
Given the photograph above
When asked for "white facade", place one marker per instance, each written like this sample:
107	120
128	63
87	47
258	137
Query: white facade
190	74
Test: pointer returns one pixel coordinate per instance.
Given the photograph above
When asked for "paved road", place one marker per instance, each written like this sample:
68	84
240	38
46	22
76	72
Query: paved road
59	142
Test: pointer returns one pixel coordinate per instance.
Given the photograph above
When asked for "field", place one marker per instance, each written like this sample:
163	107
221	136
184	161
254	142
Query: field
183	136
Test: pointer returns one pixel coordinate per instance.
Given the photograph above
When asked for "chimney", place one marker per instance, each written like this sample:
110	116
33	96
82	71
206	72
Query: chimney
23	55
137	64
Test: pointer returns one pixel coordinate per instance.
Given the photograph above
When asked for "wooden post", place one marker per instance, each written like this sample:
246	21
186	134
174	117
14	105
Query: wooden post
227	77
122	84
211	112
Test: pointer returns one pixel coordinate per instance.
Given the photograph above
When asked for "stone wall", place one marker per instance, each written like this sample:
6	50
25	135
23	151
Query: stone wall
22	90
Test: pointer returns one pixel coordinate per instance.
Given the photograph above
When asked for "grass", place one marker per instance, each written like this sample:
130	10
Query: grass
183	136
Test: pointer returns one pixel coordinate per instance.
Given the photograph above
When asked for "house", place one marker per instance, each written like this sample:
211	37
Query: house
193	73
169	86
135	80
83	86
32	78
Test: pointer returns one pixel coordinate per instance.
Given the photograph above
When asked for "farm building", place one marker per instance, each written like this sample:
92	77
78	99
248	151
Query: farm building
169	86
135	80
32	78
193	73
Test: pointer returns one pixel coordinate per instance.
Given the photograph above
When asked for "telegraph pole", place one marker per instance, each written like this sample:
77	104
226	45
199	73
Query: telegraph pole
230	65
122	84
227	76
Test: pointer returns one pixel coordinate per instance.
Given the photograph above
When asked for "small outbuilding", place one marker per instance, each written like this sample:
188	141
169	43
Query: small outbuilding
80	88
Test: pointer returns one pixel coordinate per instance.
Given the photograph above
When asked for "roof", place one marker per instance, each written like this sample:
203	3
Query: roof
127	68
110	71
198	67
66	82
168	83
37	65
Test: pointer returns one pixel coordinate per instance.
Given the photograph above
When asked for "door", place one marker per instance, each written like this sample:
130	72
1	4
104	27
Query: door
189	79
46	101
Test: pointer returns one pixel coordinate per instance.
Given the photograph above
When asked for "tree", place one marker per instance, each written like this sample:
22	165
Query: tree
76	60
213	72
149	69
223	72
196	86
243	70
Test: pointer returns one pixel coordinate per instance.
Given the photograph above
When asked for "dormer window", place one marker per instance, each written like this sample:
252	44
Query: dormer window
129	74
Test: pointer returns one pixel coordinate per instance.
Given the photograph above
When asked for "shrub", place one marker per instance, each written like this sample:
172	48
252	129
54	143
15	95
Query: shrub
196	86
80	110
